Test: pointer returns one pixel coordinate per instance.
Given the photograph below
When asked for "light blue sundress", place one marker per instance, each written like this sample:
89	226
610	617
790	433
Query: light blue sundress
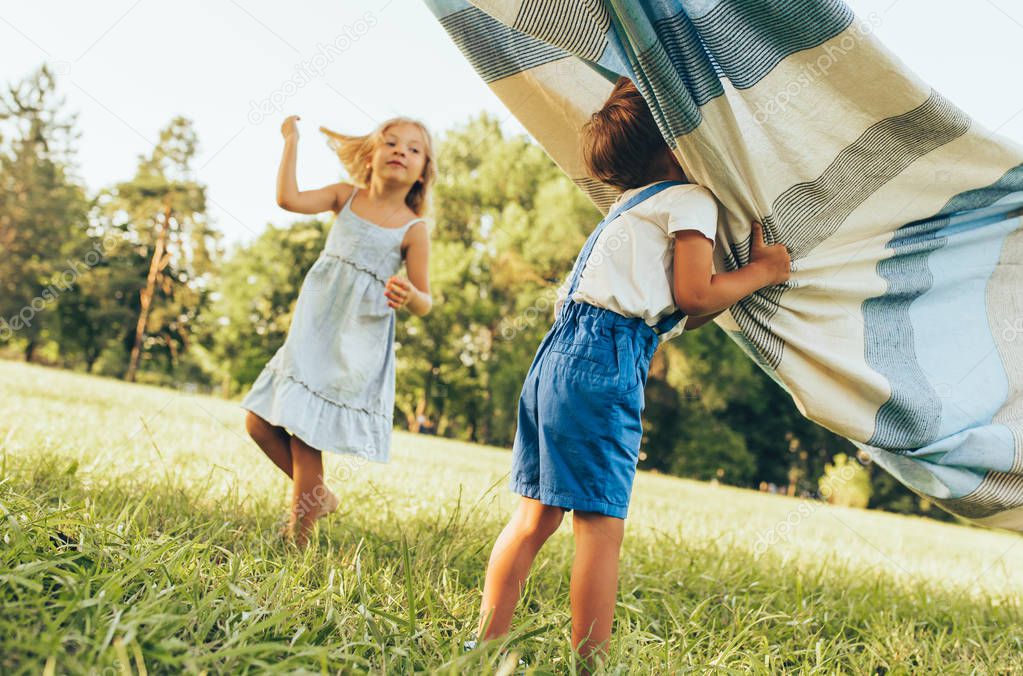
332	382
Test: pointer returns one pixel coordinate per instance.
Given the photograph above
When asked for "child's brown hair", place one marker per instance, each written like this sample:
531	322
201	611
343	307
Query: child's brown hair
622	145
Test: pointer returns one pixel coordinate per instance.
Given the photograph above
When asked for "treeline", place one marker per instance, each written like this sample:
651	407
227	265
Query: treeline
133	282
113	283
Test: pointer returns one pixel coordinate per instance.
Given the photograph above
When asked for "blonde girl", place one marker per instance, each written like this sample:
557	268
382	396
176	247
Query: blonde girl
330	387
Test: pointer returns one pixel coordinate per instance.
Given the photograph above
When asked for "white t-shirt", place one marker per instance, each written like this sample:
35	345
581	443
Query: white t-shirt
630	268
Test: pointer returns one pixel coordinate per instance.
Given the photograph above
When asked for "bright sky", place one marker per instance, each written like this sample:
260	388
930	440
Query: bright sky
128	66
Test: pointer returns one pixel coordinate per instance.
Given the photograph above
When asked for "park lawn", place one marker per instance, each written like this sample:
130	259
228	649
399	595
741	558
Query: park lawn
138	534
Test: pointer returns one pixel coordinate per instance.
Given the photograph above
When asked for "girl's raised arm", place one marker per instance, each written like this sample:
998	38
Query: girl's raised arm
327	198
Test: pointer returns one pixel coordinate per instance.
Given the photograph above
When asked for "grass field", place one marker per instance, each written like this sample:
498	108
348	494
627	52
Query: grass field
138	536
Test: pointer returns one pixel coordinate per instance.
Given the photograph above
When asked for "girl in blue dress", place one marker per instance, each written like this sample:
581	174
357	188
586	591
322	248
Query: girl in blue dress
330	387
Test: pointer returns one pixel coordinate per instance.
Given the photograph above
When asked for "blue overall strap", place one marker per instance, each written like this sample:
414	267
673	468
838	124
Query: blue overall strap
668	322
591	241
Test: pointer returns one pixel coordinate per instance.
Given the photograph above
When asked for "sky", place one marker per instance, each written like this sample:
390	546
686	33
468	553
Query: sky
128	66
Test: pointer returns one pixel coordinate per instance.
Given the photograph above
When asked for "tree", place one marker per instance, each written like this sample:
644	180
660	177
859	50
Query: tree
92	315
162	211
845	482
42	208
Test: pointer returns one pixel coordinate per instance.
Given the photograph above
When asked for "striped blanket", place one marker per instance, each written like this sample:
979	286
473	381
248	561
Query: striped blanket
901	327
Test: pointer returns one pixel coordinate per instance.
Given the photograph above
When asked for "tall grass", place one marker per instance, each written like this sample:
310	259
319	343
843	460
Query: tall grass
138	535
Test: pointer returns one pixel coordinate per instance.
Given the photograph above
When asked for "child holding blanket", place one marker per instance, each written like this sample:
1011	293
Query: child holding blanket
644	275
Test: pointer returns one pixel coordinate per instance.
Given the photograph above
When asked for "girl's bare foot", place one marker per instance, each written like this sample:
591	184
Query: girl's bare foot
300	525
328	503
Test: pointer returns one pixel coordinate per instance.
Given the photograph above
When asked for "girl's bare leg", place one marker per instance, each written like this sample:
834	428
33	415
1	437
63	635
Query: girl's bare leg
513	554
311	498
274	441
594	587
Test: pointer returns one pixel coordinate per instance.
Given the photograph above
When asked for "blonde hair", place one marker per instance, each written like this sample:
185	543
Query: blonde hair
356	151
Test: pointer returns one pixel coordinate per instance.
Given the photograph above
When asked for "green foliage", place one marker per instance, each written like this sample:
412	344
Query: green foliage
682	438
845	482
96	314
162	212
42	210
72	270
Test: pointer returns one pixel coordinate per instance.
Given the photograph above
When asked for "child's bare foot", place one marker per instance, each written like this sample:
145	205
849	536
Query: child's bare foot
301	524
328	504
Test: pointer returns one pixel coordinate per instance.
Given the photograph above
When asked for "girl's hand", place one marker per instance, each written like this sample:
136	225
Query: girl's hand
773	259
398	292
289	130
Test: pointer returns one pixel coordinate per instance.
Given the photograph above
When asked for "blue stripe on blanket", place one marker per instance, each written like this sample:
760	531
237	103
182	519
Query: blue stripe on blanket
578	26
678	48
1010	182
495	50
937	390
997	492
808	213
678	63
748	38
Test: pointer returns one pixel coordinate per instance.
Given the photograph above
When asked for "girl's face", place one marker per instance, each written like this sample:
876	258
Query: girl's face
401	156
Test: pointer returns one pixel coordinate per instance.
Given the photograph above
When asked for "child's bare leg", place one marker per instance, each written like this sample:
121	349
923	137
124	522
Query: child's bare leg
513	554
274	441
594	588
311	498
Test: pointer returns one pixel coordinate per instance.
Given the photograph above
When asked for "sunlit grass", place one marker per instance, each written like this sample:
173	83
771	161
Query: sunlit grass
138	533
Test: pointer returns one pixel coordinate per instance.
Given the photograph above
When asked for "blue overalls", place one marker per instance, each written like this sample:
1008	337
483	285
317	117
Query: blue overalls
579	417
